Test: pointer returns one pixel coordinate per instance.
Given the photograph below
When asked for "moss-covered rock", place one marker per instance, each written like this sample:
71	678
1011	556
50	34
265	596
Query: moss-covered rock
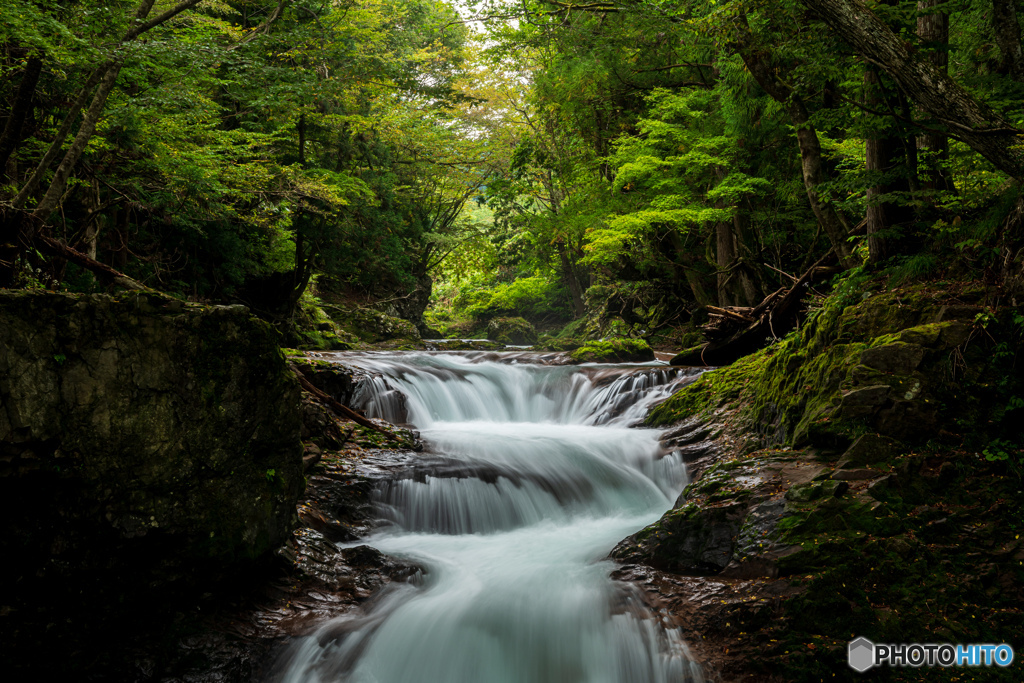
465	345
613	351
370	326
146	443
512	331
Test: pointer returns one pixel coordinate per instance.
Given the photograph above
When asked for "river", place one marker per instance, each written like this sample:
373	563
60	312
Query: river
532	474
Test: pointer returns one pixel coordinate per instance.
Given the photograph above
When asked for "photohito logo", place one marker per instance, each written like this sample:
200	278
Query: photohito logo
862	654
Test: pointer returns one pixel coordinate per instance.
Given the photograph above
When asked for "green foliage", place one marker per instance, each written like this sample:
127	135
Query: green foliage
613	351
531	297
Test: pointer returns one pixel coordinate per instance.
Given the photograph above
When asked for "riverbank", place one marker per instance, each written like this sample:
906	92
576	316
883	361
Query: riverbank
865	481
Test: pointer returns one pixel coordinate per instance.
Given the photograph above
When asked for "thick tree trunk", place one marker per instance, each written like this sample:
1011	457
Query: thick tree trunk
935	92
933	31
735	285
877	159
1006	31
570	279
807	138
22	105
725	259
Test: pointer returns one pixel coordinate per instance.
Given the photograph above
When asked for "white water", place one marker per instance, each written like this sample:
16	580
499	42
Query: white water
538	476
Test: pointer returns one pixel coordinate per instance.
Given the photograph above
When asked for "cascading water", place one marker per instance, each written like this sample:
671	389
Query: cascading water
533	474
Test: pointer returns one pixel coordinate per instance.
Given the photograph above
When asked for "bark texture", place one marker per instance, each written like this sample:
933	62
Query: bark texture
933	31
935	92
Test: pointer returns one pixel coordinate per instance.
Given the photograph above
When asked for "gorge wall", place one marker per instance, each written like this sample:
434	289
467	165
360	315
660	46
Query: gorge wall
147	446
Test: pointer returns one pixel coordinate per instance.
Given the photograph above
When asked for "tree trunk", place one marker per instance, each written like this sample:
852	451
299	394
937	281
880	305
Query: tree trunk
725	259
1006	32
11	136
933	31
807	138
58	140
60	178
571	281
877	160
745	272
94	223
684	262
935	92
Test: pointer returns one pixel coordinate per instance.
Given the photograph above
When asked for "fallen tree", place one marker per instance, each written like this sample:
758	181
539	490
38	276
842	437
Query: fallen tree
734	332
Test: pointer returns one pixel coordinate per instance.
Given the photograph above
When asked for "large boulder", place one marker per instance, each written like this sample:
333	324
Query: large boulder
145	444
512	331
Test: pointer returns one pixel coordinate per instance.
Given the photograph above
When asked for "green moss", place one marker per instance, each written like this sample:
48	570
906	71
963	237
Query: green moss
511	331
613	351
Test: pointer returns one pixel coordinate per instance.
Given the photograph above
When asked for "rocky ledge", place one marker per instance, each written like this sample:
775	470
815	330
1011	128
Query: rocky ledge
148	449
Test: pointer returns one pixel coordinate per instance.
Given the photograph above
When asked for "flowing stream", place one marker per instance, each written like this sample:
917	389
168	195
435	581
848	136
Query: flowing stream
532	475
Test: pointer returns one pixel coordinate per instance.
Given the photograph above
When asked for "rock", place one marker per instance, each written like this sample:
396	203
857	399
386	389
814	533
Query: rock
165	440
613	351
869	449
907	420
879	489
813	490
864	402
899	358
691	539
804	493
866	396
512	331
834	488
309	461
855	475
956	333
373	326
957	312
923	335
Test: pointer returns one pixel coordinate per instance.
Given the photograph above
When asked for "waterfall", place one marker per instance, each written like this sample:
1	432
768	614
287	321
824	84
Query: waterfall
531	475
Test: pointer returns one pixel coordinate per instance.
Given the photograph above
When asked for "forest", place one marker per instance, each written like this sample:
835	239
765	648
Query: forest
624	164
822	198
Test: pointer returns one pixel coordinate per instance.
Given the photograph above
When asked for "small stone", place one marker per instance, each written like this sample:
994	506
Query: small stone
834	488
804	493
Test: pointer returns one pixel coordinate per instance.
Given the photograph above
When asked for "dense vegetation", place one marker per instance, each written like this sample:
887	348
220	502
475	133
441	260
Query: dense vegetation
621	164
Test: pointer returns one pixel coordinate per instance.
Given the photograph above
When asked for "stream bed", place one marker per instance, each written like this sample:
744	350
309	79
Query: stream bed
531	474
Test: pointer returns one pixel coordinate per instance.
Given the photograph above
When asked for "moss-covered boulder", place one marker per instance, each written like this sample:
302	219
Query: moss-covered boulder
512	331
613	351
374	327
146	444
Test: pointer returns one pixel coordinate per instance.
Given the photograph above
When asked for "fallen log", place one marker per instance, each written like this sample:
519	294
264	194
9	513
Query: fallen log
727	313
772	318
341	409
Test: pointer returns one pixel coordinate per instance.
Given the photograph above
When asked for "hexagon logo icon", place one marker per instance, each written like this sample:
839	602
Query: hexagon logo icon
861	655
